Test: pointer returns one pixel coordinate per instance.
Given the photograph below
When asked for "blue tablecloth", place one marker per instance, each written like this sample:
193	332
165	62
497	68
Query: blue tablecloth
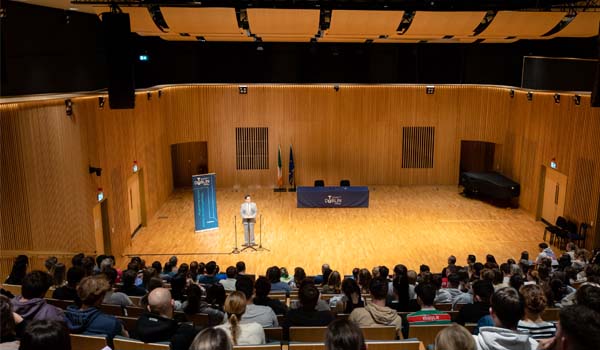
333	197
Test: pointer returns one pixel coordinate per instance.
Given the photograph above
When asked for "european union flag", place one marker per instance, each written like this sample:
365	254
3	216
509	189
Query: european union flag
291	172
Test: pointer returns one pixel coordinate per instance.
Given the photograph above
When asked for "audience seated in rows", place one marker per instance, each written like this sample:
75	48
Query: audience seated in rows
229	282
69	291
241	333
263	315
18	271
129	286
44	335
158	325
31	304
112	297
334	284
88	319
274	276
307	315
344	335
454	337
376	313
212	339
482	295
535	304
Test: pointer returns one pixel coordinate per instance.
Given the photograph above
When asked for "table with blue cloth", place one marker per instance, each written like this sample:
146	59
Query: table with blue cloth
333	197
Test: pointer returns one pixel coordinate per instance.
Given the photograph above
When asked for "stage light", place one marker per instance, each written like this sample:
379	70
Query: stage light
556	98
243	89
511	93
69	107
430	89
101	102
144	58
577	100
159	93
529	96
336	88
149	95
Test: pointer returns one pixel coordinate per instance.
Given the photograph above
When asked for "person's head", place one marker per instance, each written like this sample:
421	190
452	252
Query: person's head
211	268
375	272
231	272
91	290
173	261
424	268
454	337
75	274
507	308
384	271
160	302
326	272
579	328
235	306
215	294
247	198
183	269
262	287
543	246
155	282
524	255
177	286
490	259
211	339
35	284
274	274
483	291
534	299
505	268
343	334
411	275
349	287
240	267
128	278
194	267
88	263
19	269
335	280
378	288
324	268
147	274
571	247
488	275
516	281
77	259
454	280
167	268
309	296
42	335
355	272
425	294
471	259
99	259
299	275
194	298
245	286
7	321
589	295
106	263
50	263
111	275
364	278
451	260
58	274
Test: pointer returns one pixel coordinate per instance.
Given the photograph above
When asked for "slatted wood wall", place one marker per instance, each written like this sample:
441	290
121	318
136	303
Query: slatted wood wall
354	133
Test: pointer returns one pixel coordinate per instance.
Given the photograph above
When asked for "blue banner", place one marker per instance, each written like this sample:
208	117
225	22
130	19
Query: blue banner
205	202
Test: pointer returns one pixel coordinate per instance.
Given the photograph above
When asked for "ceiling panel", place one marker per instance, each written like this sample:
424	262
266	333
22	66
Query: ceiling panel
440	24
585	24
284	38
140	20
364	23
521	24
283	22
213	20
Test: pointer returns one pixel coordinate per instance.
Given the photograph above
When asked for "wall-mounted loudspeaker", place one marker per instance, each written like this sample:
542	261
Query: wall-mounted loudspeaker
119	52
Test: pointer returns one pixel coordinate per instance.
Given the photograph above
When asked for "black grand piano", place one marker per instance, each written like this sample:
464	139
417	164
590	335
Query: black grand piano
491	185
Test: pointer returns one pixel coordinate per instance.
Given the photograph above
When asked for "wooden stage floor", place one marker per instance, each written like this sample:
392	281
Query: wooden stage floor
407	225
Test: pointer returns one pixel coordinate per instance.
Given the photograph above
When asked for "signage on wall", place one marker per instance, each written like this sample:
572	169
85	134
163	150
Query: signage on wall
135	166
553	164
100	194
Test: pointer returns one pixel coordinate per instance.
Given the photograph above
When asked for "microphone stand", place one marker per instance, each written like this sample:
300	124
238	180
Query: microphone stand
260	246
235	248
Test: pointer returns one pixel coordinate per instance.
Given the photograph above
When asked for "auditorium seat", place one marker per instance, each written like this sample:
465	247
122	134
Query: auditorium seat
379	333
307	334
128	322
87	342
133	311
13	288
273	334
551	314
115	310
258	347
61	304
121	343
319	183
425	333
344	183
136	300
199	319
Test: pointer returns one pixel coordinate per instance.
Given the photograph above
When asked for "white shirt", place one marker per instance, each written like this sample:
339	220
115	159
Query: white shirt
249	333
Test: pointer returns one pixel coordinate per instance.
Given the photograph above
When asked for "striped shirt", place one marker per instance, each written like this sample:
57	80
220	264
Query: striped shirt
426	317
541	330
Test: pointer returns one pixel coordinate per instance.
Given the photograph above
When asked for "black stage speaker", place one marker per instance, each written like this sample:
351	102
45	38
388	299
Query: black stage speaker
119	53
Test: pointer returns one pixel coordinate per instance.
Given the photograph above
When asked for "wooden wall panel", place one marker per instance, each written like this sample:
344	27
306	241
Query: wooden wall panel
353	133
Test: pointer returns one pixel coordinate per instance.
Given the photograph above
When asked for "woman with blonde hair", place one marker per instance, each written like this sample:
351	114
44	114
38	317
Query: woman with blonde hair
334	284
455	337
240	334
211	339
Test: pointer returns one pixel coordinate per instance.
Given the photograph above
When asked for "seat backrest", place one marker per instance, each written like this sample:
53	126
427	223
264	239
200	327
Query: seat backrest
258	347
306	346
134	311
199	319
319	183
87	342
273	334
444	306
128	322
571	227
344	183
395	345
379	333
131	344
61	304
308	334
136	300
115	310
551	314
13	288
561	222
425	333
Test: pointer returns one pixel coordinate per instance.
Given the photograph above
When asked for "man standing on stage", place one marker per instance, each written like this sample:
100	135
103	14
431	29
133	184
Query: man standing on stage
248	212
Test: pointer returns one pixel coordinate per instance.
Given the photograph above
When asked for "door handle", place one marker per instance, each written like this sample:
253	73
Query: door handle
556	193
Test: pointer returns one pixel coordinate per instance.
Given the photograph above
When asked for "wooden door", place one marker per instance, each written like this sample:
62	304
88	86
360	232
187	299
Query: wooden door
98	229
190	158
553	203
134	203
